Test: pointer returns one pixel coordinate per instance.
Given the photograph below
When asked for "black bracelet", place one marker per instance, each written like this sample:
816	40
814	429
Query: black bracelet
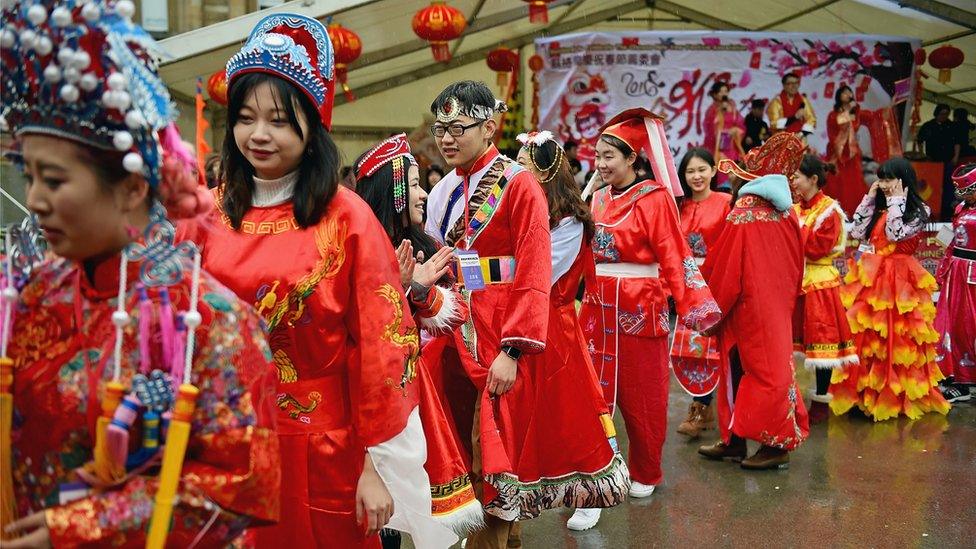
512	352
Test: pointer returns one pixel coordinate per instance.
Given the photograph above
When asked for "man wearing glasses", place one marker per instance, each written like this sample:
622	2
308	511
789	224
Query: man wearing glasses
494	213
790	110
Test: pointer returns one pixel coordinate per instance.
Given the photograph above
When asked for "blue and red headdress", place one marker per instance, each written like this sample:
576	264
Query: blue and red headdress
295	48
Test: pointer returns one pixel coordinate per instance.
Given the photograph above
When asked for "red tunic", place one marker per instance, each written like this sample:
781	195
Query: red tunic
344	344
702	222
820	326
638	230
62	346
782	107
754	272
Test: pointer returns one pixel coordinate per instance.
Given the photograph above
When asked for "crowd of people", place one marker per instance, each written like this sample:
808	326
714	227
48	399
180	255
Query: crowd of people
303	357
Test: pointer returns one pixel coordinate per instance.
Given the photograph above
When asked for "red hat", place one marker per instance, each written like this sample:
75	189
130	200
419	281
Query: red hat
295	48
964	178
643	130
780	154
395	150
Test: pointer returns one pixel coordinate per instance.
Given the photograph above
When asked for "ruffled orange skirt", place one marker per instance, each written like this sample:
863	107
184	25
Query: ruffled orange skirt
889	306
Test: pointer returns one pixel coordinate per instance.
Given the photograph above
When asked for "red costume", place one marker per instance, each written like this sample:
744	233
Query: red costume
62	350
845	152
530	458
783	109
694	357
754	271
821	331
642	259
724	131
344	344
956	317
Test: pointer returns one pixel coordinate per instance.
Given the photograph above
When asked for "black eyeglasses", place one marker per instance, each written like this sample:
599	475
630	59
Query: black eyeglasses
456	130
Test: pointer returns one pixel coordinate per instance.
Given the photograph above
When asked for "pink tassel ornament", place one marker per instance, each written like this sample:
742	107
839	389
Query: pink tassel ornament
167	327
145	331
117	433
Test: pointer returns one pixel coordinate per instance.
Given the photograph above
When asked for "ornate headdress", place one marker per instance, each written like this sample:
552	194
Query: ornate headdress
643	130
454	107
396	151
533	140
83	71
780	154
964	178
295	48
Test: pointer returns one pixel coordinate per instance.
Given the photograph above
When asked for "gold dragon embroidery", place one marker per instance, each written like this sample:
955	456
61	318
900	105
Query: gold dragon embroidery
408	339
329	239
285	401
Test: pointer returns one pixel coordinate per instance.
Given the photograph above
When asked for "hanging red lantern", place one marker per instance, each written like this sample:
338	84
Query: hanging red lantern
503	61
946	58
536	64
538	11
919	57
438	24
217	87
346	47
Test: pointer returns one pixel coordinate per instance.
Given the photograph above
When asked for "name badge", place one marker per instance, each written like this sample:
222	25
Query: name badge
865	248
470	266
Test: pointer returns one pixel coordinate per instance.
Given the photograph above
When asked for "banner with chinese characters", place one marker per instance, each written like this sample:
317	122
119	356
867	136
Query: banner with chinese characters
589	77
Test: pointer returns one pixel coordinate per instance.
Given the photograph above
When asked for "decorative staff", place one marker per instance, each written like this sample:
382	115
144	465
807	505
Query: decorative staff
8	507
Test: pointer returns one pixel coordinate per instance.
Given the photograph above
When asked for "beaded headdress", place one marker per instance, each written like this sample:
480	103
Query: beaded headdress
295	48
81	70
394	150
454	107
533	140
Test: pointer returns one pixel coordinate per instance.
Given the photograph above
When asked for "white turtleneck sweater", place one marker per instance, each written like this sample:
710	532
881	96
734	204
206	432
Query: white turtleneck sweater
271	192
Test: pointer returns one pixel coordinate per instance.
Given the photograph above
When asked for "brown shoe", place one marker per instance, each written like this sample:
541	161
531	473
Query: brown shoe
700	418
767	457
735	450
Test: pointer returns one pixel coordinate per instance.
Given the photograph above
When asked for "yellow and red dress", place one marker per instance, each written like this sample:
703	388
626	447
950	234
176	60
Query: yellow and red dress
820	328
345	349
888	296
62	346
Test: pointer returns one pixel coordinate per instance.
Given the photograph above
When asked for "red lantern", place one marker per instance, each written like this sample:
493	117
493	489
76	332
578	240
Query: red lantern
503	61
438	24
346	47
538	11
946	58
536	64
919	57
217	87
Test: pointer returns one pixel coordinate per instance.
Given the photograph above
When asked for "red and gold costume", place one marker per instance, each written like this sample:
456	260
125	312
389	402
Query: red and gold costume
642	259
782	111
888	296
344	344
525	454
820	327
754	271
694	357
62	346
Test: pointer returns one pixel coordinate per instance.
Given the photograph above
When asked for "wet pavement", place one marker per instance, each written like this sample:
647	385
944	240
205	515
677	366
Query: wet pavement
853	483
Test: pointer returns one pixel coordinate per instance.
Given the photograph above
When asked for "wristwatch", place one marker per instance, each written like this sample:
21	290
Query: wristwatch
512	352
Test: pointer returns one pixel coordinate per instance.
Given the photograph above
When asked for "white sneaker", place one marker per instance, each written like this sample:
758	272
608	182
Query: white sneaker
638	490
583	519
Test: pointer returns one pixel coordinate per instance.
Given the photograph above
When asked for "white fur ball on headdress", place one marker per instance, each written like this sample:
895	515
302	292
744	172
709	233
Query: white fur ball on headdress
535	138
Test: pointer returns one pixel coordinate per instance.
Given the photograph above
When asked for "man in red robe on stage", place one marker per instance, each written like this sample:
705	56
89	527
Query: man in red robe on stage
790	111
754	272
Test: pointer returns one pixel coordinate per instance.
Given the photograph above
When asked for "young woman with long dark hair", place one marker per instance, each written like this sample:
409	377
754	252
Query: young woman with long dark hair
888	296
575	396
318	267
